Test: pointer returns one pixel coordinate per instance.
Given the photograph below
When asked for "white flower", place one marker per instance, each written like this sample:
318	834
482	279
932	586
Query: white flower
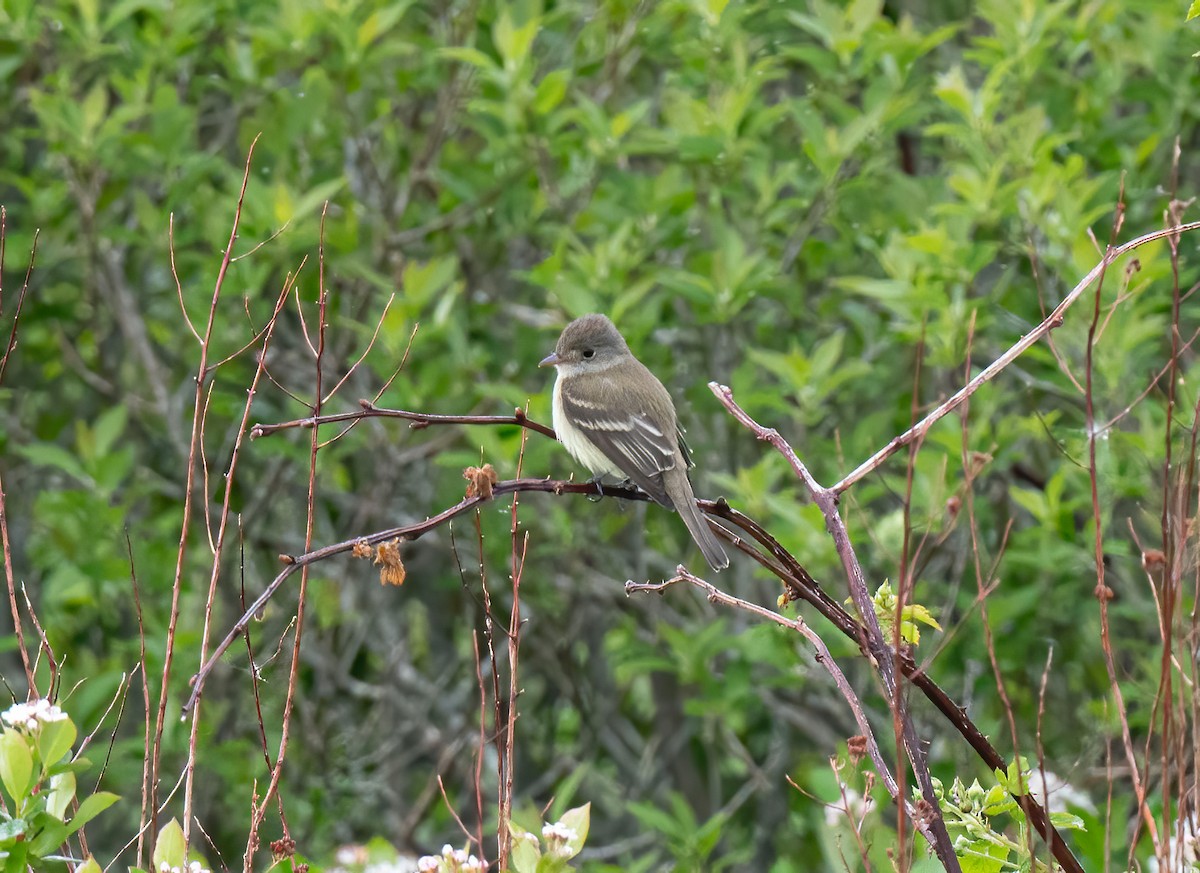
559	832
427	863
447	851
31	716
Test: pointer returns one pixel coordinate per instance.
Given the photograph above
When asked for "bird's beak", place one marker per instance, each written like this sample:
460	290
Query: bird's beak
551	360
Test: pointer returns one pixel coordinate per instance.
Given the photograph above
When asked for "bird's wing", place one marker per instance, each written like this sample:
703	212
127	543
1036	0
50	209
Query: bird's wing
635	444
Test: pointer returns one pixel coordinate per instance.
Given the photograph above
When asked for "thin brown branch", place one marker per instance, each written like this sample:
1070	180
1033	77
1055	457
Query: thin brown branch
10	581
12	331
419	420
218	547
260	810
1101	591
187	319
386	383
188	496
366	351
137	604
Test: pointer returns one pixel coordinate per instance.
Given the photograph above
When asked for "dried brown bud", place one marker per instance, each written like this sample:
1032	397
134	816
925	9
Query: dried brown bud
480	481
387	557
1103	592
953	505
1153	559
362	549
977	461
284	847
857	747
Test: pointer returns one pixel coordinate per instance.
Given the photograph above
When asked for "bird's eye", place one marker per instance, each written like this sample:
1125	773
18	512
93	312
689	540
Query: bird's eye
589	353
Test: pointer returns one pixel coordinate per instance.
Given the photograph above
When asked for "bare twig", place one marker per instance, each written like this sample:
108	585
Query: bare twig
419	420
218	547
310	504
12	331
189	487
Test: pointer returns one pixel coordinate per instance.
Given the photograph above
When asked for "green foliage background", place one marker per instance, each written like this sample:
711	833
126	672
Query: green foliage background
787	197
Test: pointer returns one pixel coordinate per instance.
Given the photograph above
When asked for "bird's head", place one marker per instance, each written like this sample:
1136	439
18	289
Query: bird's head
588	343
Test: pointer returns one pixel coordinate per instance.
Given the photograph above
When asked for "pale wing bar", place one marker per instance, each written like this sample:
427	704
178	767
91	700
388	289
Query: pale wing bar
634	445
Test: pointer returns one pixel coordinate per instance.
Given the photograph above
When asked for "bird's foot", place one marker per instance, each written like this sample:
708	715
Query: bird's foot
598	481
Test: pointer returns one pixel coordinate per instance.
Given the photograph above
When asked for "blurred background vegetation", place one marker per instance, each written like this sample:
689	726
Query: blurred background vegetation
799	199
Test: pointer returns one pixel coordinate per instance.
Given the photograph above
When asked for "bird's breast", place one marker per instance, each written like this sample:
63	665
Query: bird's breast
576	441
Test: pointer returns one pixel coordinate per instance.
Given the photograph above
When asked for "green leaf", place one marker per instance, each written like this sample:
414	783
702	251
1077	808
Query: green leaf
550	91
50	455
92	807
514	40
62	792
380	22
982	856
89	13
170	847
711	10
525	850
578	820
108	428
55	740
16	765
468	55
1193	10
17	855
1067	821
89	866
49	839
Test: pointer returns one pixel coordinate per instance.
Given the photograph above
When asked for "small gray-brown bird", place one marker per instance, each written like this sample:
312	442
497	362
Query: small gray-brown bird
617	419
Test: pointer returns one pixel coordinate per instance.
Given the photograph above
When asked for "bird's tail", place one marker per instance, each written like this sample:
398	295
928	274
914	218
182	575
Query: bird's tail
709	545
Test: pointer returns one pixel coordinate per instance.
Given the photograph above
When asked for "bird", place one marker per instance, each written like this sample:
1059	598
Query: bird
615	417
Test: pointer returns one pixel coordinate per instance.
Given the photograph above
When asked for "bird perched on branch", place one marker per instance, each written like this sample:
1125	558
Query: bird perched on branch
617	419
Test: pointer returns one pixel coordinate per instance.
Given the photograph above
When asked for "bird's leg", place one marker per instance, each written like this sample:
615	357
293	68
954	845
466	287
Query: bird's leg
598	481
